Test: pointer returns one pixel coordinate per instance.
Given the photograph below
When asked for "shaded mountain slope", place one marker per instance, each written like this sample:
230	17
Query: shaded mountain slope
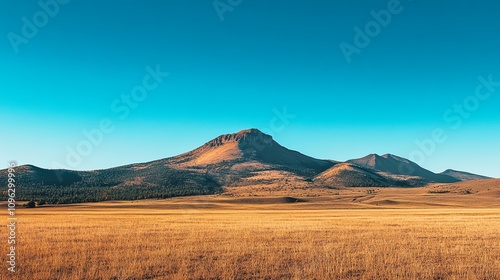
395	165
463	176
350	175
120	183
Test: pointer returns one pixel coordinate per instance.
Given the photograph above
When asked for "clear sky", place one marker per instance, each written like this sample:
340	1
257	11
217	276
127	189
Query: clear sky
332	79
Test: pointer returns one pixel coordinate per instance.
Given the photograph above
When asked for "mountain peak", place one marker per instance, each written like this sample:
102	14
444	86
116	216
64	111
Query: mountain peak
250	146
254	131
396	165
384	156
249	136
390	156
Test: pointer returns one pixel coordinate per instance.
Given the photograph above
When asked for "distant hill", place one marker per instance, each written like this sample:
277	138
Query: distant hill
120	183
243	159
351	175
391	164
463	176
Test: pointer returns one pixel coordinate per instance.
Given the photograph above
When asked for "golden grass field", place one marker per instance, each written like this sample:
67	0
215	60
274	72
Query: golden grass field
326	237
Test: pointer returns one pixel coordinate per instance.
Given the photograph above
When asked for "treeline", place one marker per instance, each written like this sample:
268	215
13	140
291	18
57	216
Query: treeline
123	183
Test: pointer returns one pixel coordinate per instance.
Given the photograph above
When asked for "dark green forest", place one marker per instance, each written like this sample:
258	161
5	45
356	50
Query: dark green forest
122	183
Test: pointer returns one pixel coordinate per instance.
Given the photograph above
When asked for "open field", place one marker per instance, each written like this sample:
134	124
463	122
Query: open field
258	238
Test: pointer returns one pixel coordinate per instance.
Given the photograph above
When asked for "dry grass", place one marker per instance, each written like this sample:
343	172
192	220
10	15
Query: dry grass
188	239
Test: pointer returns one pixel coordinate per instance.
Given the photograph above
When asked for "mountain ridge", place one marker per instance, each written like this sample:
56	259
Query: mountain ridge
246	158
396	165
463	176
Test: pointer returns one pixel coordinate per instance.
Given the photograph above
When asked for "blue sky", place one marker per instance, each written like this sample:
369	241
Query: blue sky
273	65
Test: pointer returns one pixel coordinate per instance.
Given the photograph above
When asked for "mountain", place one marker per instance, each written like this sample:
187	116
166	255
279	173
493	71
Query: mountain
463	176
247	154
394	165
249	146
351	175
247	159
